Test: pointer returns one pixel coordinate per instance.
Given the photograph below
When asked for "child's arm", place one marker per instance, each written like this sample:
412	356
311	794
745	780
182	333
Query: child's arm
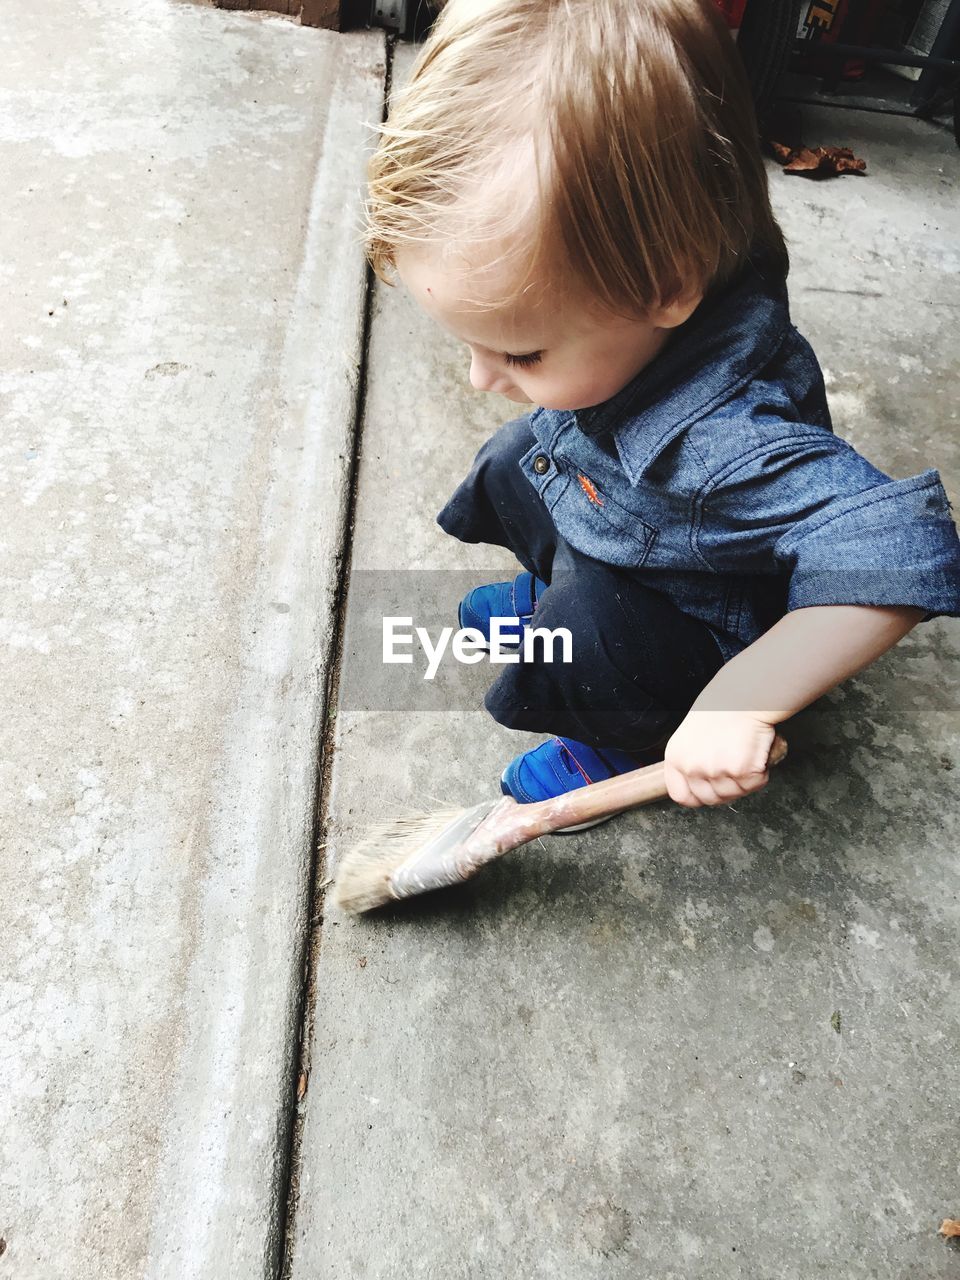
720	750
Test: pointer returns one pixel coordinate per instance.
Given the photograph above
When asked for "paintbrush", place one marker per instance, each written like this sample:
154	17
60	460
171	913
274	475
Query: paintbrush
414	855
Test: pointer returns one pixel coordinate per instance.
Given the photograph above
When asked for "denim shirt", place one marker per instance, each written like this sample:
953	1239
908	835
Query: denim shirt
715	475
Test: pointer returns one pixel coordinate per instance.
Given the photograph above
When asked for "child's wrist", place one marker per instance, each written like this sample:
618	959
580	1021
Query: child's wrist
716	702
746	686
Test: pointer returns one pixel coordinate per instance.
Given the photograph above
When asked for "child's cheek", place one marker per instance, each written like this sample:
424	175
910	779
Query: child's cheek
573	392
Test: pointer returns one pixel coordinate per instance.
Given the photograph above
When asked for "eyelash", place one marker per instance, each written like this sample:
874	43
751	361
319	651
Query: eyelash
524	362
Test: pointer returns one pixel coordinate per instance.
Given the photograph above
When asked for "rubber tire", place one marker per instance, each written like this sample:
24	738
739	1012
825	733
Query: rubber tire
766	38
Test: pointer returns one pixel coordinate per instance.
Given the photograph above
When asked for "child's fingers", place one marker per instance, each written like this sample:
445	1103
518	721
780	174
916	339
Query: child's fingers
678	789
706	791
729	788
689	790
694	791
753	781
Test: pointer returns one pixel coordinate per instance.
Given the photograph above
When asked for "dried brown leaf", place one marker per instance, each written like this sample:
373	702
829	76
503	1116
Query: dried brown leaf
950	1228
802	160
302	1085
844	161
817	161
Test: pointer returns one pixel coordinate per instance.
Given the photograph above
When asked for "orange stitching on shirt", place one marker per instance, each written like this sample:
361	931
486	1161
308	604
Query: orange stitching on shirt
590	489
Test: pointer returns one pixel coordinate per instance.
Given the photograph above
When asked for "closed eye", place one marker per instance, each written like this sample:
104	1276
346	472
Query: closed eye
524	362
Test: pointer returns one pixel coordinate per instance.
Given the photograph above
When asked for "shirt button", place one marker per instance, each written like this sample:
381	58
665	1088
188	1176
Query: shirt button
541	464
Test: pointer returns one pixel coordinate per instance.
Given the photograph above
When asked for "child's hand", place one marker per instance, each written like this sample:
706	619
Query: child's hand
718	756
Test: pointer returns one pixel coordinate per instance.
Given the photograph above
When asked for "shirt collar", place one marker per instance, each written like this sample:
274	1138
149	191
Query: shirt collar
728	338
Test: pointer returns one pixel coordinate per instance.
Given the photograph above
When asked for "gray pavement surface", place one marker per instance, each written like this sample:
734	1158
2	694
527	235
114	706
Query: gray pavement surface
183	296
712	1044
715	1044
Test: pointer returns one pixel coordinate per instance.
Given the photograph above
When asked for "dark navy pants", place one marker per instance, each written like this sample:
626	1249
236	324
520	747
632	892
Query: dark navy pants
638	661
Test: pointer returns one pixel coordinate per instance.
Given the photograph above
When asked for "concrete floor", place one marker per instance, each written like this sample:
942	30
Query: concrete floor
617	1054
708	1044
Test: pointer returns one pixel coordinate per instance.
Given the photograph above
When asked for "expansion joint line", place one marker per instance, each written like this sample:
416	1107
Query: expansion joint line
288	1182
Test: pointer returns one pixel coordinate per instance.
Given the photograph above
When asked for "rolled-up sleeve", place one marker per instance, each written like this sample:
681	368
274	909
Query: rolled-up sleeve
893	545
842	532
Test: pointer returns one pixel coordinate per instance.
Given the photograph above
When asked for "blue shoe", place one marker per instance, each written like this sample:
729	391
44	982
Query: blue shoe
516	599
561	765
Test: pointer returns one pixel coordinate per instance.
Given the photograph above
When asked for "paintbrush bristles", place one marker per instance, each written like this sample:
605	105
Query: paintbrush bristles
362	880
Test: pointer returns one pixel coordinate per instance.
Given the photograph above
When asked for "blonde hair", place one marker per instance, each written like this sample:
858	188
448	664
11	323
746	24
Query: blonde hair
635	121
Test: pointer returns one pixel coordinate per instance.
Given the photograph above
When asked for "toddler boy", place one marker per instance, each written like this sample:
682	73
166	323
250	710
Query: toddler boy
574	189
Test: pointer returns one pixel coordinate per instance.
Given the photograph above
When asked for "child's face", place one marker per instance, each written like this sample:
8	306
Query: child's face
539	352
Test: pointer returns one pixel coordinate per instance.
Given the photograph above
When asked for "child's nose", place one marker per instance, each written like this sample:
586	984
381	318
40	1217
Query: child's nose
483	376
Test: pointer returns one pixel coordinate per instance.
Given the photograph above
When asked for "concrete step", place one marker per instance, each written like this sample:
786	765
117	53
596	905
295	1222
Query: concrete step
184	293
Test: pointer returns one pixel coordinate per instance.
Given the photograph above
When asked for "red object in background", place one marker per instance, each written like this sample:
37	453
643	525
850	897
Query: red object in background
732	10
821	23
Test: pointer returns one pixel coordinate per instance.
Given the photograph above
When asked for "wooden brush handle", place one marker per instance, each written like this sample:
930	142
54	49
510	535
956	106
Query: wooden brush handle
614	795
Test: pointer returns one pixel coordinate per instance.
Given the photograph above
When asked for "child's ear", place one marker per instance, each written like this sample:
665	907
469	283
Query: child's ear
672	314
